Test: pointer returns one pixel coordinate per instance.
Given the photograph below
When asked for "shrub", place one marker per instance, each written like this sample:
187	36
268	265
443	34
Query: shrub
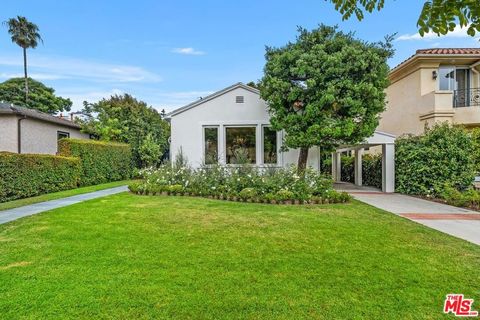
283	195
244	182
100	161
248	193
27	175
371	170
442	156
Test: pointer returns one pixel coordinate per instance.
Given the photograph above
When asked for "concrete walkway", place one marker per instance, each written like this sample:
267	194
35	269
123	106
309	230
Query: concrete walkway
458	222
20	212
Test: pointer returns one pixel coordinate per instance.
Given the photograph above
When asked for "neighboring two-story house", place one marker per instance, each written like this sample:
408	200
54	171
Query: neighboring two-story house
431	86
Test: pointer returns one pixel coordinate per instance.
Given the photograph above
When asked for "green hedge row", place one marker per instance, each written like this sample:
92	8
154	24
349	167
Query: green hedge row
101	161
27	175
443	156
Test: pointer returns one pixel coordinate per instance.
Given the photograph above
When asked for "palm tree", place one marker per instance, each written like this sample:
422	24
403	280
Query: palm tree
26	35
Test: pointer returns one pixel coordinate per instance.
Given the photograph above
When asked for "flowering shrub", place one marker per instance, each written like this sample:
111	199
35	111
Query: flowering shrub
245	183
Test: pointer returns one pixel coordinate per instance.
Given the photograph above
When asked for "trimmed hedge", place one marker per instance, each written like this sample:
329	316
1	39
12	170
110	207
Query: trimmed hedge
443	155
101	161
27	175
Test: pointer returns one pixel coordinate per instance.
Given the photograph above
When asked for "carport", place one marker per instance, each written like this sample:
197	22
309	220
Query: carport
387	143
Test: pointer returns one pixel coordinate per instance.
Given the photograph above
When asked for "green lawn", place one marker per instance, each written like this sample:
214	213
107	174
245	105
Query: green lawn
60	194
139	257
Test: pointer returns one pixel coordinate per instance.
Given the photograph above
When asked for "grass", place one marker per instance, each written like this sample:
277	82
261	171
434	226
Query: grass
60	194
139	257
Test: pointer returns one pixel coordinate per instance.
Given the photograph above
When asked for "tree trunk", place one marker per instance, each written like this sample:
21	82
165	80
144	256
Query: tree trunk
26	76
302	160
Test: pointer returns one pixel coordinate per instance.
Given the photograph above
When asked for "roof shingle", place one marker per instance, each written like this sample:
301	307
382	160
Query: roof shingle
449	51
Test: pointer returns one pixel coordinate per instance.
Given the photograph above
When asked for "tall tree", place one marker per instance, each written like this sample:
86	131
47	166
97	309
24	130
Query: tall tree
123	118
439	16
42	98
26	35
326	89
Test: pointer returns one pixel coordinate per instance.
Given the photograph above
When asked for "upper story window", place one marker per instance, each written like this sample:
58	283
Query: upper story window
453	78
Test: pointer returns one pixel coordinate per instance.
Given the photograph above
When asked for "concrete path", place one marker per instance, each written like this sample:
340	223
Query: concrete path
17	213
458	222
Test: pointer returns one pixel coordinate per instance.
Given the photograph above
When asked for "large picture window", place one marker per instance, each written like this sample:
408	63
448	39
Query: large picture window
240	145
269	146
211	145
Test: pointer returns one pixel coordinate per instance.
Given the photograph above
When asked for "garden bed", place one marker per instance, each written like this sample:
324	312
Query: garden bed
342	198
243	184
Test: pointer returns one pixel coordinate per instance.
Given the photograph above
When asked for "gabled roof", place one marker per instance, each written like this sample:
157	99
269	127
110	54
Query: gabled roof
211	97
7	108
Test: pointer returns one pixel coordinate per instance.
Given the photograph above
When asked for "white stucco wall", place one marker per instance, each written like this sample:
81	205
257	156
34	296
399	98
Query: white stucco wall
222	111
36	136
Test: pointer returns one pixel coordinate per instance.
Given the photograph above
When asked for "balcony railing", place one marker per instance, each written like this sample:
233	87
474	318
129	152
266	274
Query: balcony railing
466	97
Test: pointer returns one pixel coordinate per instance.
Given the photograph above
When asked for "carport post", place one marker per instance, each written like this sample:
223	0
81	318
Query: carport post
358	166
336	167
388	167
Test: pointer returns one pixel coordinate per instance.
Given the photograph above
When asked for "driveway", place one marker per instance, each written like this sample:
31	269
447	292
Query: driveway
458	222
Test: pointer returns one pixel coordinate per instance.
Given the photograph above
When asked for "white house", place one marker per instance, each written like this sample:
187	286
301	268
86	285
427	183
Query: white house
230	126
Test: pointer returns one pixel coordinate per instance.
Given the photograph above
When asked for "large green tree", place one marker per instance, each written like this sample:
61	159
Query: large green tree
26	35
41	97
325	89
439	16
123	118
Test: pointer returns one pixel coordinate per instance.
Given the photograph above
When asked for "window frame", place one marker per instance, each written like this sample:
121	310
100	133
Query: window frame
224	148
59	132
204	144
277	149
455	68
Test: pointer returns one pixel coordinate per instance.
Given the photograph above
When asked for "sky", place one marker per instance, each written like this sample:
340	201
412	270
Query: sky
169	53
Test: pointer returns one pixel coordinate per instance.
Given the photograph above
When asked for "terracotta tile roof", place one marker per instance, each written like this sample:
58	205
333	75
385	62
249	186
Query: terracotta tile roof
439	51
449	51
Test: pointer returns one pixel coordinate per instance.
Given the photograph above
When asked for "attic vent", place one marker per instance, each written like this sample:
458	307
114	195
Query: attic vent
239	99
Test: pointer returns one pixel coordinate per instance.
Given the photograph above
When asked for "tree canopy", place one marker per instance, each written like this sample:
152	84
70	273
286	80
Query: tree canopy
41	97
438	16
326	89
123	118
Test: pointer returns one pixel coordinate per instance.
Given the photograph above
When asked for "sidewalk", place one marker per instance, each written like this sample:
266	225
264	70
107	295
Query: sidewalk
17	213
458	222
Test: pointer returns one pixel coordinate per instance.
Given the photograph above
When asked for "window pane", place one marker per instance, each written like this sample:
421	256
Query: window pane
211	145
269	145
446	78
240	145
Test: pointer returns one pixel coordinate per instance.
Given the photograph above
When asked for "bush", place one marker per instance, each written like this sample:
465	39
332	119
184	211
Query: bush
248	193
101	162
245	182
27	175
444	155
371	170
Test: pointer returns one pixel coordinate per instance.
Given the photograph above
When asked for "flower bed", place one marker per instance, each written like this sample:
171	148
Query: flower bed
245	183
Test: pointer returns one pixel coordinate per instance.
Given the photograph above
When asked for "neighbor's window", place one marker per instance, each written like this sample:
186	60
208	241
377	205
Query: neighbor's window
61	135
240	145
269	145
446	78
211	145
